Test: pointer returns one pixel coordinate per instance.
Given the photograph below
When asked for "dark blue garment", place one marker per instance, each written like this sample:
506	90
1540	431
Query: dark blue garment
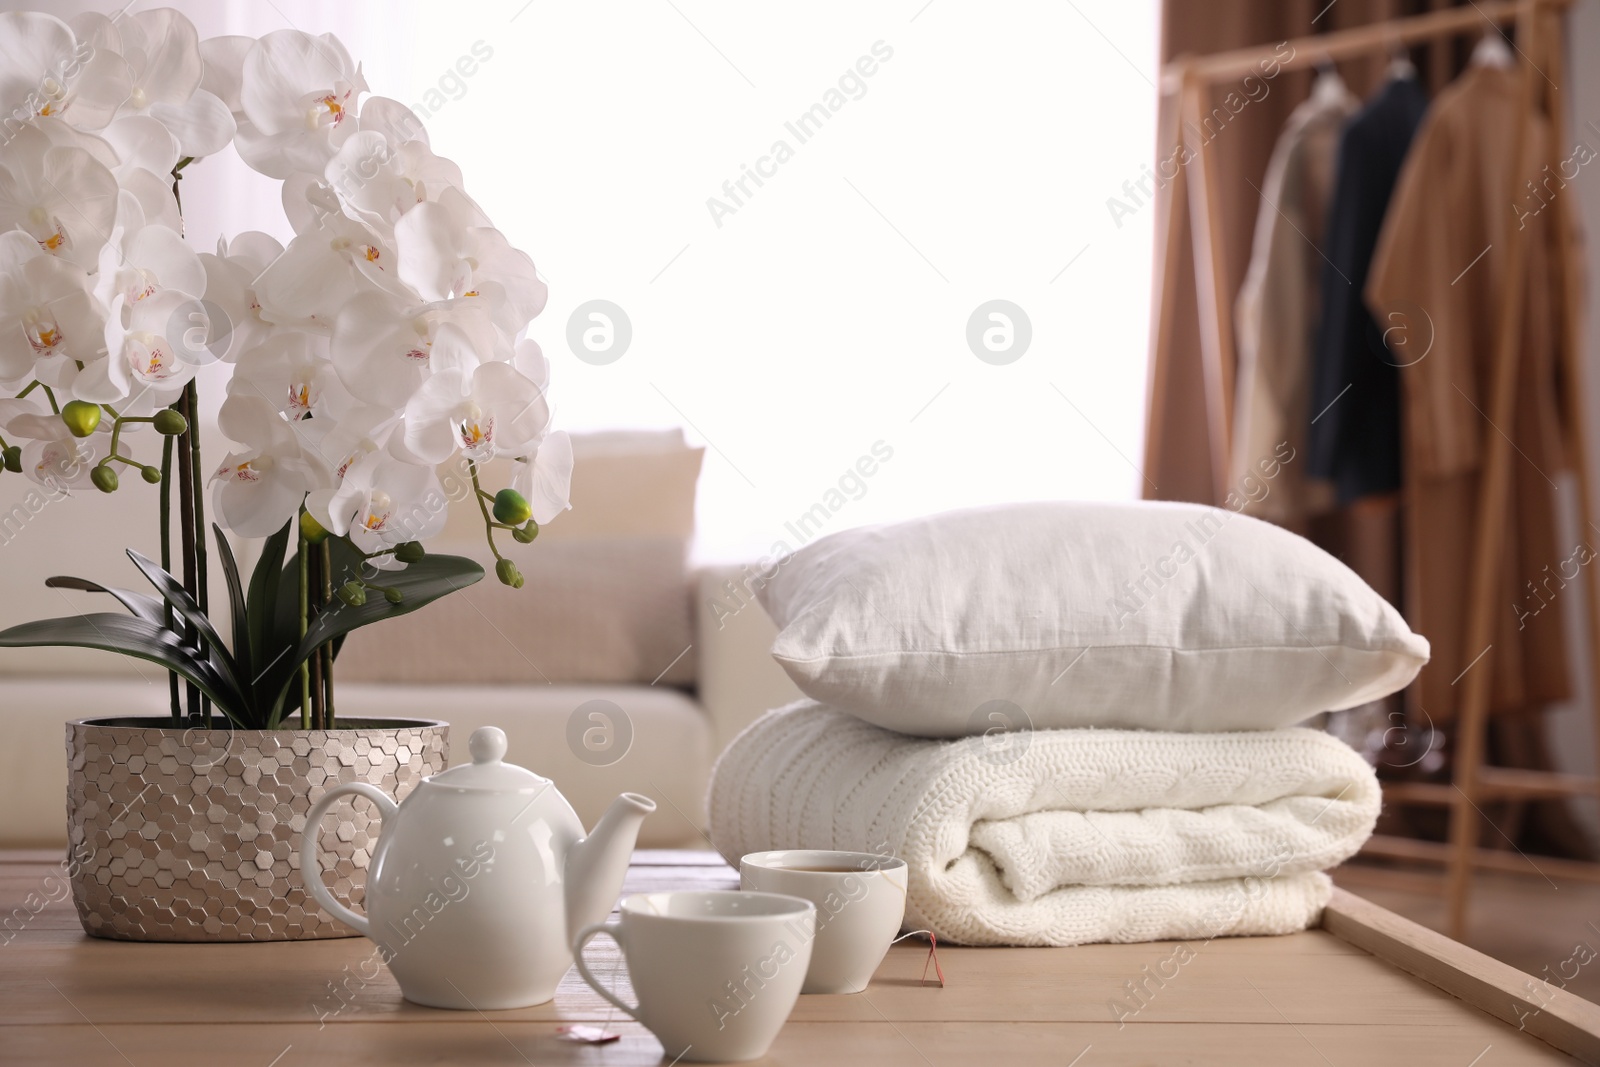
1354	439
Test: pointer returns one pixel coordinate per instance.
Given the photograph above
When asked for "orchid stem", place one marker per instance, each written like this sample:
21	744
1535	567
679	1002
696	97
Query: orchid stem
303	563
37	384
313	571
488	523
186	475
327	649
166	565
191	412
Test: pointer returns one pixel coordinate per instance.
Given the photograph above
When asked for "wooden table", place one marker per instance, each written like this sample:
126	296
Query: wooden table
1339	995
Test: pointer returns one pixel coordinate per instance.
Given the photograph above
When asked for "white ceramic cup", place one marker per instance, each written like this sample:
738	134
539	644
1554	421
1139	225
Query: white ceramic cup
860	900
716	972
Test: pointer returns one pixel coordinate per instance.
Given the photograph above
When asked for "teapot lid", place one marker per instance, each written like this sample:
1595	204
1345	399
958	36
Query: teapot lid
487	769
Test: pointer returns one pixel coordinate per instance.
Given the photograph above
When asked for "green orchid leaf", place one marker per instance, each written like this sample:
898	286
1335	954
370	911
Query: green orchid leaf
131	636
236	601
419	584
184	605
261	608
142	605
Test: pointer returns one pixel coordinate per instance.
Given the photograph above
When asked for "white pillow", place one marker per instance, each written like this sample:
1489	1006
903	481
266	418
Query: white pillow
1144	616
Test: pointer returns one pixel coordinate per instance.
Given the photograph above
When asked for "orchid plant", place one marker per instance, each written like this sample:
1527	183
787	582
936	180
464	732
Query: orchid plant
385	343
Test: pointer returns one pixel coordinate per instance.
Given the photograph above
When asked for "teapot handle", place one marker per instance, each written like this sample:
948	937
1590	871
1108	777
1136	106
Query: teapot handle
581	942
311	870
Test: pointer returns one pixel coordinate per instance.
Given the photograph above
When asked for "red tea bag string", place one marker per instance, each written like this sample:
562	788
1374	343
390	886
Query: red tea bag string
933	953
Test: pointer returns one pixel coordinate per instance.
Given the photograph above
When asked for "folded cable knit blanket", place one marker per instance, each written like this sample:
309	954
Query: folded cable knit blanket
1059	837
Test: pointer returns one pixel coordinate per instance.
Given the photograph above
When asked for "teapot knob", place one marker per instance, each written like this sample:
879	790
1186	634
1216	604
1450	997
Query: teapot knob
487	744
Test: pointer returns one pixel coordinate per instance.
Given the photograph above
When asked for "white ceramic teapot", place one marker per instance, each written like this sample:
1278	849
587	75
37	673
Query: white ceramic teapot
481	879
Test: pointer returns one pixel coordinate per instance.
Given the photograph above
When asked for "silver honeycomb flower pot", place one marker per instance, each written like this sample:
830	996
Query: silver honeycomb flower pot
191	834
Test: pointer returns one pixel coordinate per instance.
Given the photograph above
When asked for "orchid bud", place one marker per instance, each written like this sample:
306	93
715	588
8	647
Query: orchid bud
104	479
393	596
508	574
525	533
410	552
311	529
353	594
13	459
511	508
81	418
151	474
169	423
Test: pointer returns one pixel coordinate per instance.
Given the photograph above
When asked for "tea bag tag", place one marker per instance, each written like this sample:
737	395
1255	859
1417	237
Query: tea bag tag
933	953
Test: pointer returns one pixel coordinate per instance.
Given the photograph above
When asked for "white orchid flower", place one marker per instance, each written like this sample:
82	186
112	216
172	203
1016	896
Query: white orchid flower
146	152
137	265
397	123
48	71
382	502
146	200
381	179
145	351
297	93
291	371
224	69
544	478
230	287
384	350
142	143
383	340
492	410
258	489
46	309
162	53
60	196
51	456
341	443
441	262
322	270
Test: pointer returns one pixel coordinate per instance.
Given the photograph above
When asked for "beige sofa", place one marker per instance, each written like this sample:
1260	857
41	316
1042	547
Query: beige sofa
600	610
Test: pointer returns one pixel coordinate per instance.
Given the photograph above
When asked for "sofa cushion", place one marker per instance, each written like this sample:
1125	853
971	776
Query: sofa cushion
606	597
610	611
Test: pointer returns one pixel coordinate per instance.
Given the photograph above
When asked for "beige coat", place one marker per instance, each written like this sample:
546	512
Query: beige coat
1278	309
1437	277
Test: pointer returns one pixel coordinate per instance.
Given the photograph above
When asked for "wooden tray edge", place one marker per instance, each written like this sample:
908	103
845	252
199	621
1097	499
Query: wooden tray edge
1532	1005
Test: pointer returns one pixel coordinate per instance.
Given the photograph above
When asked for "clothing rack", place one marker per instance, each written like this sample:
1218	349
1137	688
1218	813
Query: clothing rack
1190	79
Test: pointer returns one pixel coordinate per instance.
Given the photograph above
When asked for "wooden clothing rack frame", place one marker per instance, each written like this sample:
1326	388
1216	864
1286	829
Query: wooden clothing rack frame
1190	79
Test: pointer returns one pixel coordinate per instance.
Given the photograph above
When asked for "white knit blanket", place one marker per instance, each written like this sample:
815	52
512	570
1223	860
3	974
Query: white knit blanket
1059	837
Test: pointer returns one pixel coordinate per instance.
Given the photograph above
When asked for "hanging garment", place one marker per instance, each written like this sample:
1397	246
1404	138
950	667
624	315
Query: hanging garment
1279	306
1354	436
1439	273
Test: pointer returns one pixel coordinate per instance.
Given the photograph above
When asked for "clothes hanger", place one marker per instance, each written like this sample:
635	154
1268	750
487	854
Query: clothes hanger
1329	88
1400	65
1492	52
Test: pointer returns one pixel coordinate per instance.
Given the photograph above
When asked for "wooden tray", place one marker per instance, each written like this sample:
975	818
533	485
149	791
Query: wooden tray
1367	989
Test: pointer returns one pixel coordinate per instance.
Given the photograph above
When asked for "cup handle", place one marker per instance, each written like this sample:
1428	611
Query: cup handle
587	934
311	871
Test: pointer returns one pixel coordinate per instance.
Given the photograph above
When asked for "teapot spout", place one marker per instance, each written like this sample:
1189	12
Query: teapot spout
597	865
